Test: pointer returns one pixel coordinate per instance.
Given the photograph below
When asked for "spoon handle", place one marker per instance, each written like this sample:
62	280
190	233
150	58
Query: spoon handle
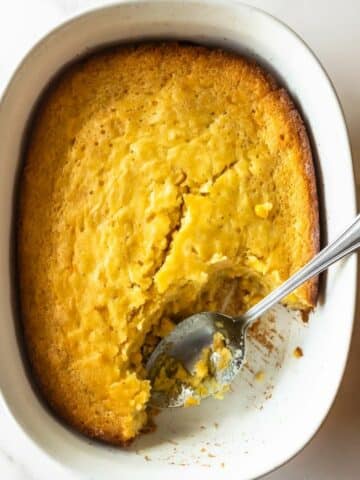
345	244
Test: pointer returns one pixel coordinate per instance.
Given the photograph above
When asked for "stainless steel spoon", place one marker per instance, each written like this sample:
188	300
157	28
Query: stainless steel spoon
188	339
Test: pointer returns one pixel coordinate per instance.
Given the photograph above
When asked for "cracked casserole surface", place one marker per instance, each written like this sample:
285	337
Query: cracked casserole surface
157	179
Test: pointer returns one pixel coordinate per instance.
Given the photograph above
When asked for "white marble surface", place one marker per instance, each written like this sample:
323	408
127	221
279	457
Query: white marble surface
332	29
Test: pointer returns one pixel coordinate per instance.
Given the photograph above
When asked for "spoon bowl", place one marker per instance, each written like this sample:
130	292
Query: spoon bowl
185	344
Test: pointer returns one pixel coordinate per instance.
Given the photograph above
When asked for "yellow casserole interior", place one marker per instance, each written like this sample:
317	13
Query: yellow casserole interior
160	181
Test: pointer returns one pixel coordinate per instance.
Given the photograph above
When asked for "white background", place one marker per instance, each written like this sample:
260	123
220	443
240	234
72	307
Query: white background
332	29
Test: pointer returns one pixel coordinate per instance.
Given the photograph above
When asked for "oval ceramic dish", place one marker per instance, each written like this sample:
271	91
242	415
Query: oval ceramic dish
280	401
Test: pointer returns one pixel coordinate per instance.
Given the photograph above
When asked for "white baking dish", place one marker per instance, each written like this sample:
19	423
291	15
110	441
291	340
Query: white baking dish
248	434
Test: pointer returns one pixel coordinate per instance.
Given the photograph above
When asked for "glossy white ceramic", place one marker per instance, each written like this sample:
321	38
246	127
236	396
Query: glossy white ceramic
262	423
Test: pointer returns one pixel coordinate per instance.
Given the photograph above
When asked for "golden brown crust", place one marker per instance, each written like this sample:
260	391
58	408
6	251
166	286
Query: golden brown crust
233	70
297	124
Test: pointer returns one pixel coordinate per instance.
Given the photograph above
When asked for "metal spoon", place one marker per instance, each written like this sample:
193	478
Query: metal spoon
188	339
